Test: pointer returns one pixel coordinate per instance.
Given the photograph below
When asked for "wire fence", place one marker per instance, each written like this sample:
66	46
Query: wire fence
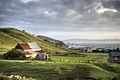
79	61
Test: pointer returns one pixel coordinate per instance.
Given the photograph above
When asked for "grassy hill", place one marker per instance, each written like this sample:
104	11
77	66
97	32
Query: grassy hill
72	66
48	39
10	37
43	70
64	68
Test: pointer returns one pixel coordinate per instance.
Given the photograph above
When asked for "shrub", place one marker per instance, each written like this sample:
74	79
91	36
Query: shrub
15	54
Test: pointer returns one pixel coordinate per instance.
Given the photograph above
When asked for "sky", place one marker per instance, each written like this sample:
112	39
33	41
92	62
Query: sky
63	19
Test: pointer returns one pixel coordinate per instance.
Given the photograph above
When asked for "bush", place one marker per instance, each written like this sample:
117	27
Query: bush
15	54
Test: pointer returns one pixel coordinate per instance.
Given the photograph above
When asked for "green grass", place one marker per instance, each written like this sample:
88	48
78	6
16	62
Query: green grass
62	65
10	37
90	58
54	71
46	46
60	68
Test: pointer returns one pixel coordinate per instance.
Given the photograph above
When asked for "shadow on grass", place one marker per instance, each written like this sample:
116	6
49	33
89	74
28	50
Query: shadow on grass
77	73
49	71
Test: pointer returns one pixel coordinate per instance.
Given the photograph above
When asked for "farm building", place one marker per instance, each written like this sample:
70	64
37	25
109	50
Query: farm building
32	50
87	49
114	56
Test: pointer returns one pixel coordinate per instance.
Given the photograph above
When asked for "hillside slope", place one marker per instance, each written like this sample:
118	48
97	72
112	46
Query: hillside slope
47	38
53	41
58	71
10	37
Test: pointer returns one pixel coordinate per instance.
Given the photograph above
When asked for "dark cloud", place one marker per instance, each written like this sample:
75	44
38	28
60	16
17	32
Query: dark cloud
112	4
60	15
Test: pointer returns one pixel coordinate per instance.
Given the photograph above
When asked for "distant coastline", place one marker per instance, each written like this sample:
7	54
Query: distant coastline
109	43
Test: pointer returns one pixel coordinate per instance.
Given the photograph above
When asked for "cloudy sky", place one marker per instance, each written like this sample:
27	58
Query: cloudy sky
63	19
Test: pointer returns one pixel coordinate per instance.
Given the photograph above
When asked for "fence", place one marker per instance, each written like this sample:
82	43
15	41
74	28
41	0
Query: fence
79	61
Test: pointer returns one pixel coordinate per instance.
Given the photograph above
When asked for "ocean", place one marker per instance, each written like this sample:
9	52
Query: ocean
99	45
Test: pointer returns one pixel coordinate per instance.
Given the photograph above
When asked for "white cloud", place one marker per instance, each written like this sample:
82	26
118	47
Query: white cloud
50	13
26	1
62	15
61	35
100	9
89	11
72	15
106	9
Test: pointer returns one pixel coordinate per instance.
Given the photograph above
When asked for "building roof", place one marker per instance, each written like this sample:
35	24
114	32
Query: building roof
115	53
33	45
28	46
25	46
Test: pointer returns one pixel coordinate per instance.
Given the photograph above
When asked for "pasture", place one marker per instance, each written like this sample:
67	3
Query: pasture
94	66
90	58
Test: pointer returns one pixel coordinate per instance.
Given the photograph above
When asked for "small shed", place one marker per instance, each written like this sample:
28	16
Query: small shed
32	50
114	56
41	55
94	49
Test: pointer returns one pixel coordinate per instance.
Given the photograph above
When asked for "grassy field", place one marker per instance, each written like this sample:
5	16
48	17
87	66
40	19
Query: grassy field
90	58
63	64
64	68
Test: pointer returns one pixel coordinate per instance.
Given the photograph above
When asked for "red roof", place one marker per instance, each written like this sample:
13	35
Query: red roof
25	46
28	46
